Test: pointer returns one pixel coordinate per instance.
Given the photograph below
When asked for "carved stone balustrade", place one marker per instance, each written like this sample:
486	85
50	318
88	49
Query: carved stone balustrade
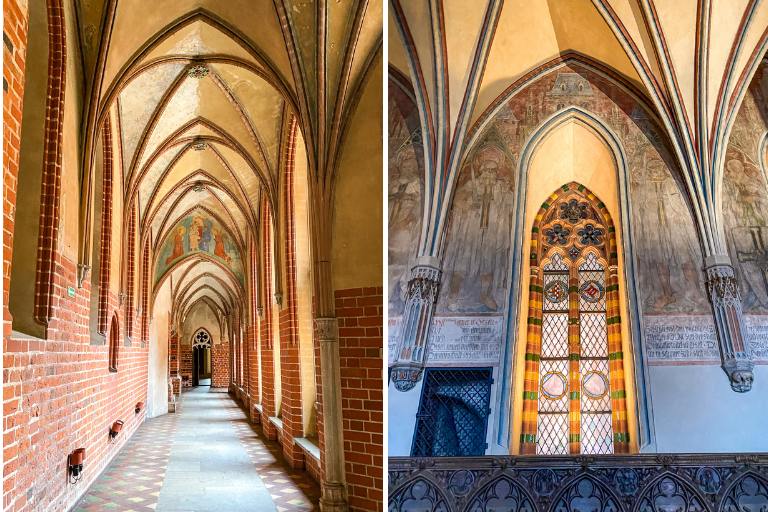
635	483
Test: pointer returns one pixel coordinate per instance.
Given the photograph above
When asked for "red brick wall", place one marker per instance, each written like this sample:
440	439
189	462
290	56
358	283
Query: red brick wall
251	333
359	311
267	352
14	55
220	365
290	370
69	400
185	363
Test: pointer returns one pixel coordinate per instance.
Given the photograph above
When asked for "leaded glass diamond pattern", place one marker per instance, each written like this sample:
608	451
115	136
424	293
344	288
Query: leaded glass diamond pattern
593	335
552	434
596	433
557	263
554	338
453	413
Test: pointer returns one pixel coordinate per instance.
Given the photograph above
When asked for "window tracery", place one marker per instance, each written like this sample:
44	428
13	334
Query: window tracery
574	397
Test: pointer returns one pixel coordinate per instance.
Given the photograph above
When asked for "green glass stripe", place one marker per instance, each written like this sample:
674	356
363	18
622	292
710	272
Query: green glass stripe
612	288
581	188
527	438
573	321
536	288
621	437
574	288
535	229
601	205
613	320
532	357
611	229
614	256
618	394
534	321
545	206
613	356
530	395
574	438
565	187
575	395
574	357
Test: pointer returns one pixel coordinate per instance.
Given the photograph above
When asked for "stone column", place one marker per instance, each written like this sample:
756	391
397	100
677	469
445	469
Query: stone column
723	289
333	491
420	300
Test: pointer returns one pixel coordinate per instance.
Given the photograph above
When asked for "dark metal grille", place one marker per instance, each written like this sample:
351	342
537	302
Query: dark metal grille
453	413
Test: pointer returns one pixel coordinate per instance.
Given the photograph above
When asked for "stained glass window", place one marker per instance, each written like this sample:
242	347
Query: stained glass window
453	413
573	307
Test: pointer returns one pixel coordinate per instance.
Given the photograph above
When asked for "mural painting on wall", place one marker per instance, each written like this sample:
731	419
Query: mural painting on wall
476	262
199	233
406	178
476	265
745	196
668	252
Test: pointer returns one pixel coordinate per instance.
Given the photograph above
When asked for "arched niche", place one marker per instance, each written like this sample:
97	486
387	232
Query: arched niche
31	158
572	146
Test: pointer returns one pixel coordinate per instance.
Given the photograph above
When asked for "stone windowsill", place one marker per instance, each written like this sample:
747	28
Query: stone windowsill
308	447
277	422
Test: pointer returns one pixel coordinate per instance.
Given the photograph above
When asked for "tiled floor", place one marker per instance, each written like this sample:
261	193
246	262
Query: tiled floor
207	457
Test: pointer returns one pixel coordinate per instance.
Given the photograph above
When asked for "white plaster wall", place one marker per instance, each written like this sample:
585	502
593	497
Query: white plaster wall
695	410
157	392
403	407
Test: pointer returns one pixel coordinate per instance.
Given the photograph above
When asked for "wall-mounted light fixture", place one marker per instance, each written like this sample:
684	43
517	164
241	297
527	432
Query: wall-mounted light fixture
139	407
115	429
75	463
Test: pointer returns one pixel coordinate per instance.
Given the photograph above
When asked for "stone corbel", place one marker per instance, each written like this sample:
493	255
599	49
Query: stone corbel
420	299
82	274
732	336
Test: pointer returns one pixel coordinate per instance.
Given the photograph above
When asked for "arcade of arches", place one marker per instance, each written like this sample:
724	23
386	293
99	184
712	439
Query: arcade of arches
578	255
192	196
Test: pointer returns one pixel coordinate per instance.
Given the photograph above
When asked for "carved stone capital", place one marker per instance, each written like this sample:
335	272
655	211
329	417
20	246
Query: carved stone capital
260	311
279	299
722	286
424	285
333	498
327	329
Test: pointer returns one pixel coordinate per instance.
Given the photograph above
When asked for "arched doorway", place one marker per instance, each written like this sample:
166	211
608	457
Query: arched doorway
201	358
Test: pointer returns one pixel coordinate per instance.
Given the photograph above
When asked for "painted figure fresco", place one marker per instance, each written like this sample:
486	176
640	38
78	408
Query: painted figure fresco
406	177
476	263
195	234
745	196
668	252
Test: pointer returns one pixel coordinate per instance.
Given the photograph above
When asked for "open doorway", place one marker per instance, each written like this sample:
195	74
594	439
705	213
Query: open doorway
201	358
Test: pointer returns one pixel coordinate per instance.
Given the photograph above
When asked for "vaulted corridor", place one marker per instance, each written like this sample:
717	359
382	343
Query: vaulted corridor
204	458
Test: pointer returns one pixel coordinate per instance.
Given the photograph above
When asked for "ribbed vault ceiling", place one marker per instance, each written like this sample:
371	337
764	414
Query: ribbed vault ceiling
204	92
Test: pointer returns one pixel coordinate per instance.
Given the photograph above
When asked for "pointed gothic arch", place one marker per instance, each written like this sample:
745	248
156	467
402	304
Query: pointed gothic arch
574	398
